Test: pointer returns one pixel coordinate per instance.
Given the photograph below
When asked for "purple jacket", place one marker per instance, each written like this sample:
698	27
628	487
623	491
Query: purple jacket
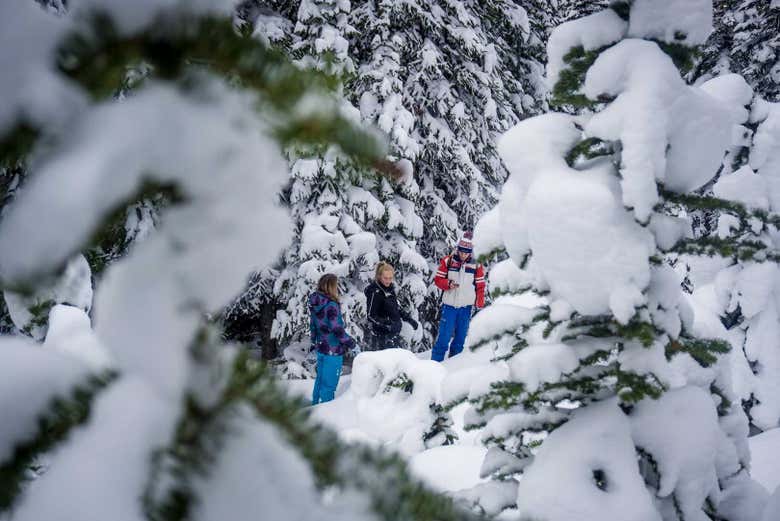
328	335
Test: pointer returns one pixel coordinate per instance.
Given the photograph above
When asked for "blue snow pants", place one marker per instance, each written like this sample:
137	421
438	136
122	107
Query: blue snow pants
328	373
454	324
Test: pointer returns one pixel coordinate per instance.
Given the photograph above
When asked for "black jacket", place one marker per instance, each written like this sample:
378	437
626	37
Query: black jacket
384	314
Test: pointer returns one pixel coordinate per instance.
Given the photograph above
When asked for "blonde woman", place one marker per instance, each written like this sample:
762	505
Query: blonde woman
384	313
328	337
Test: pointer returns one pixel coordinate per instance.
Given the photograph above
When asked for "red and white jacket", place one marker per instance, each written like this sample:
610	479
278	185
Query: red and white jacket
469	277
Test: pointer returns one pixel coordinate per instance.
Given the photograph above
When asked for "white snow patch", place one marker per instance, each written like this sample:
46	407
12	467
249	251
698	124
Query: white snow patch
567	461
30	377
110	457
449	468
765	459
70	331
590	32
685	455
688	22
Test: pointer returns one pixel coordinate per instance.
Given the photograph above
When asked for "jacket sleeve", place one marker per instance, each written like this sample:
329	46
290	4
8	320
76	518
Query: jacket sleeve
371	305
479	284
441	280
337	327
372	311
312	328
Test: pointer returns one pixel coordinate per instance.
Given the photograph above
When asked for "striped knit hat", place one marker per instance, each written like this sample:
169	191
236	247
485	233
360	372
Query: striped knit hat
464	244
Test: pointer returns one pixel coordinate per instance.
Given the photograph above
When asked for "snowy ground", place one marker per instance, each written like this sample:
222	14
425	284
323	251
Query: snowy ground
368	412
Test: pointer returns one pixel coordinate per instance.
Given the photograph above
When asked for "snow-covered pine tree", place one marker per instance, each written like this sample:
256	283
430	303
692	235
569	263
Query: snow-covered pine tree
740	284
745	41
29	314
608	391
198	432
412	82
443	79
561	11
347	218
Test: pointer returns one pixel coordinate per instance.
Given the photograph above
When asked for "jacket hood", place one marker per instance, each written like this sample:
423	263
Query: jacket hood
318	300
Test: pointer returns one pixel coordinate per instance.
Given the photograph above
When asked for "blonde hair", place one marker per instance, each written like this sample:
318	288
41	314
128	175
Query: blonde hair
382	267
329	285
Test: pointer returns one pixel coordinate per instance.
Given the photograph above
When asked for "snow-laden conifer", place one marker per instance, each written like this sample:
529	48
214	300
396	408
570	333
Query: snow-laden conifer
180	426
443	81
609	389
735	287
745	41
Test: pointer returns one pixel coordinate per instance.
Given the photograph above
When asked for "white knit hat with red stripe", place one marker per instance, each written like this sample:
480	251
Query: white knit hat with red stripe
465	243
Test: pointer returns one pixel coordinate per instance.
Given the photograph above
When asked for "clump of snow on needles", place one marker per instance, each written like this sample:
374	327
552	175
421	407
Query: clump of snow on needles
30	88
671	21
70	331
227	178
586	247
598	483
30	377
591	32
101	472
670	132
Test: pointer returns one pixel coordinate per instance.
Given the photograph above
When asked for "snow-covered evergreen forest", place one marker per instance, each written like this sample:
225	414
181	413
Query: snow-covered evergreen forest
177	175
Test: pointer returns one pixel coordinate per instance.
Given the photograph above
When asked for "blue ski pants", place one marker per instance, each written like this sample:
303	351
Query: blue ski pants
328	373
454	324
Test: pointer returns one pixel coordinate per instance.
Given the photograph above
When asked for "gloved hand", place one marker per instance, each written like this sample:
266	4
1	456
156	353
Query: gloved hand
413	323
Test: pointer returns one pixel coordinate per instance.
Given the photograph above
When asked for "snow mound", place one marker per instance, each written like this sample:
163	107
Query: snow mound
388	401
450	468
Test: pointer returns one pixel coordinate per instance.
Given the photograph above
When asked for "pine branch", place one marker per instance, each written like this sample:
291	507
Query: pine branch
16	143
492	255
588	149
567	90
633	387
704	351
97	57
54	426
393	493
705	202
742	250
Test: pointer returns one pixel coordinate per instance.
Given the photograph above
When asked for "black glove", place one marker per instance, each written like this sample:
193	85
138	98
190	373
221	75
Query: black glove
412	322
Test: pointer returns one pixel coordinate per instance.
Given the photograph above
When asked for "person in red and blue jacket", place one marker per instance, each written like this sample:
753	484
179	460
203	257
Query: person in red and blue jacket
463	282
328	337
